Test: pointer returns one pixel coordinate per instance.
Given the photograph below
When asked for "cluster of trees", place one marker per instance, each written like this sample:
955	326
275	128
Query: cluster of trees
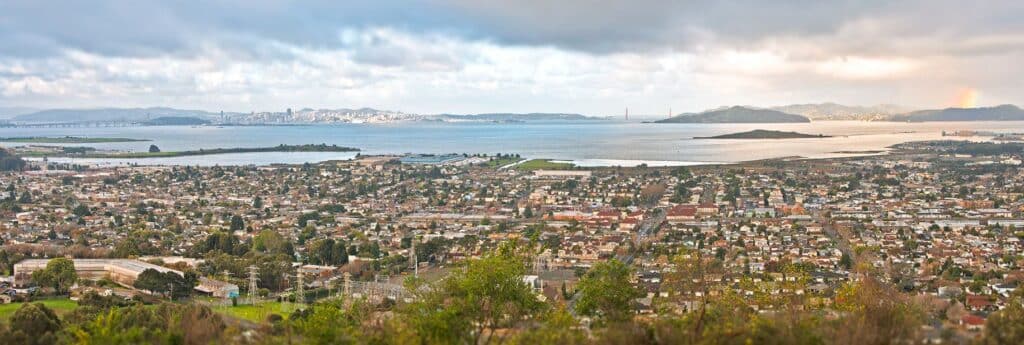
168	323
327	252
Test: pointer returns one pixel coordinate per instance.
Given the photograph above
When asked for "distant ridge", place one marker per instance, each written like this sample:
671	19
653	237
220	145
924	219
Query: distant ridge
737	114
514	117
9	112
108	114
1006	112
177	121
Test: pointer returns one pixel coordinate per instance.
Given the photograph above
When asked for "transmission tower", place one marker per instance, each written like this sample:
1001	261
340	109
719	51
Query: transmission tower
253	278
414	260
227	274
300	292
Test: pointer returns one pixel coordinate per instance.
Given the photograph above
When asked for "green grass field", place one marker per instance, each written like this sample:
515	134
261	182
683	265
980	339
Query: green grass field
59	306
257	313
538	164
500	162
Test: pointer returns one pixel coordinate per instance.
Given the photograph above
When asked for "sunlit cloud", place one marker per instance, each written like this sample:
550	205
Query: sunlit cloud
966	98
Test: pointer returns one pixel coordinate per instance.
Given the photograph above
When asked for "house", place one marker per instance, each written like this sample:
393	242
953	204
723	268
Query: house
972	322
980	303
681	213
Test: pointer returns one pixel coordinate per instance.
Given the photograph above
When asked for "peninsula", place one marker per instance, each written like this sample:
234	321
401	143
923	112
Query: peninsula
737	114
765	134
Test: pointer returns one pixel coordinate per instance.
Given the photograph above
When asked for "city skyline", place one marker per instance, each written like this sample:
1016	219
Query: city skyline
478	57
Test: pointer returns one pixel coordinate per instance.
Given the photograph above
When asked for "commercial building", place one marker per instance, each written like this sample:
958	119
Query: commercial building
121	271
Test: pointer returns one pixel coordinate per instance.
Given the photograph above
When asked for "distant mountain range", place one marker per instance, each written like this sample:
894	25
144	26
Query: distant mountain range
832	111
513	117
108	115
733	114
737	114
1004	112
9	112
176	121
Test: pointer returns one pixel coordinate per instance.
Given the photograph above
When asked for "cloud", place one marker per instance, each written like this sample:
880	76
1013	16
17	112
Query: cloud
461	55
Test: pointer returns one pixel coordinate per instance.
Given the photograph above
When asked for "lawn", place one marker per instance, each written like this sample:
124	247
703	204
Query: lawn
59	306
538	164
257	313
500	162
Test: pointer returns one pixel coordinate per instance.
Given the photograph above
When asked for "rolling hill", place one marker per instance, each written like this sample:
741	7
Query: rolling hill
1006	112
737	114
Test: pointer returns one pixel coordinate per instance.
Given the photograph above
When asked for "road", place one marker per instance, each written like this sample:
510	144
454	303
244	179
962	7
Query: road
646	228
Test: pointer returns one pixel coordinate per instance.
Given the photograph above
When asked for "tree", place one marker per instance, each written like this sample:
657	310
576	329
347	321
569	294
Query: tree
151	280
606	292
32	323
478	299
331	323
1006	326
166	324
58	274
237	223
166	283
845	261
271	242
874	313
81	210
153	149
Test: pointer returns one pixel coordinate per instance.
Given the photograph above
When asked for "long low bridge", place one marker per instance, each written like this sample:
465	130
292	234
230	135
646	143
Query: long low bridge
70	124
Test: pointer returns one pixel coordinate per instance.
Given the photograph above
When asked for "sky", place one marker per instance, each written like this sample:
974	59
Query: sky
472	56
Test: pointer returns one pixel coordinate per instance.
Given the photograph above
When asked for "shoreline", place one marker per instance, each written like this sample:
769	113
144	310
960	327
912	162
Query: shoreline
574	164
